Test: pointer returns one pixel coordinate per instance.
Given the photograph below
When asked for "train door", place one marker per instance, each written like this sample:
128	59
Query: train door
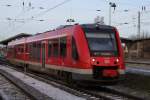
43	53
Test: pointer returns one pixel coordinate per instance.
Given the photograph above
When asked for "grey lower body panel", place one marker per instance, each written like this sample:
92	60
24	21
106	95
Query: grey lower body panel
90	78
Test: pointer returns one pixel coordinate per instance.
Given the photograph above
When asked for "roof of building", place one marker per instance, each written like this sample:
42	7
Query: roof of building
21	35
141	39
125	40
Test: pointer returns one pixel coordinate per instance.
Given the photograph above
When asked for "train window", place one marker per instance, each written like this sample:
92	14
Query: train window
30	50
49	48
18	49
74	50
38	50
34	51
22	50
55	48
102	43
15	51
26	48
63	46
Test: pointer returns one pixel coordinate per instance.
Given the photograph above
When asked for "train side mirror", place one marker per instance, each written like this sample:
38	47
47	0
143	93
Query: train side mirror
123	45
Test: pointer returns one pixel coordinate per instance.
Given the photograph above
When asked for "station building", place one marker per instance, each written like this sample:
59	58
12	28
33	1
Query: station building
140	48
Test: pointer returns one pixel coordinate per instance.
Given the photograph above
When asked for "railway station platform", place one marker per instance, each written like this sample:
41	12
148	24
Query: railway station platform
138	66
40	90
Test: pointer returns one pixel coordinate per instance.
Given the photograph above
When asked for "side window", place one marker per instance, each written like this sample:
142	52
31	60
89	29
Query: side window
49	48
31	50
18	49
22	49
26	48
63	49
38	51
34	51
74	50
55	48
15	51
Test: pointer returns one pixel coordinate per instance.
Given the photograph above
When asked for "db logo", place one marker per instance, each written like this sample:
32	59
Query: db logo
107	61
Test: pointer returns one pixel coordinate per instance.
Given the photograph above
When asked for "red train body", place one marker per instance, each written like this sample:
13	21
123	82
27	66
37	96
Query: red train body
87	52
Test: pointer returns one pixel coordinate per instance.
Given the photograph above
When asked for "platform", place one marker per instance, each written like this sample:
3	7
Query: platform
38	89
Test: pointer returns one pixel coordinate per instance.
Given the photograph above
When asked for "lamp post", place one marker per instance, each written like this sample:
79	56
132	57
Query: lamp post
98	10
111	5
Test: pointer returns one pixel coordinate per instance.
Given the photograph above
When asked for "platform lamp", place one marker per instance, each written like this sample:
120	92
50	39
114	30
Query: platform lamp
111	5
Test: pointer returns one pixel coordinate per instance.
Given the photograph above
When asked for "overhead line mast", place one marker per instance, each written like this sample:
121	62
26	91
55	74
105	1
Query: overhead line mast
139	23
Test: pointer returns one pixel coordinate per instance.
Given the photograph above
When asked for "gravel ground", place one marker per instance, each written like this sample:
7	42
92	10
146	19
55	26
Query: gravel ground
10	91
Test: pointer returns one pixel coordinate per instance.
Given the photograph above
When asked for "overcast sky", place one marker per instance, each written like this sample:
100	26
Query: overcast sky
42	15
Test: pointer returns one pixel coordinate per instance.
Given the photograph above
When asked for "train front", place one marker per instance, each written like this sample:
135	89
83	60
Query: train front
106	55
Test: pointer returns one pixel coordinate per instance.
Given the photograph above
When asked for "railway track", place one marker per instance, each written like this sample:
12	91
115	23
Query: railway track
92	93
104	93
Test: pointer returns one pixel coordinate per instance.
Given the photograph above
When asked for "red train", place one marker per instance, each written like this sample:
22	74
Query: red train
88	52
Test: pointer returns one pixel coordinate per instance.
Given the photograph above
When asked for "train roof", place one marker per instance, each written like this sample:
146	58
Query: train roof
96	25
88	26
65	28
42	36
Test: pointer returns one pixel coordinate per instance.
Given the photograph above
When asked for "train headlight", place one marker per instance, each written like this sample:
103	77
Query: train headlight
93	60
117	60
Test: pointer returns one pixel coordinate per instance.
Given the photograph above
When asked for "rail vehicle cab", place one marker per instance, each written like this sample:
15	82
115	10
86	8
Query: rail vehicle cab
105	51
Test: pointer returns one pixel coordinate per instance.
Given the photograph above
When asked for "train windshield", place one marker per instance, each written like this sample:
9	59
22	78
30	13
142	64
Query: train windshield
101	43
